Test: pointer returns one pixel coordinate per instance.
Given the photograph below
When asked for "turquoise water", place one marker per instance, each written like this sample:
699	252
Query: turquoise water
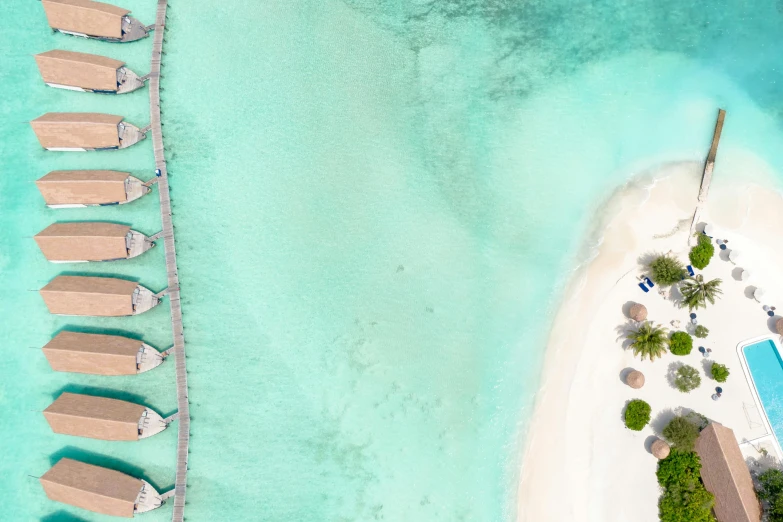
377	205
766	369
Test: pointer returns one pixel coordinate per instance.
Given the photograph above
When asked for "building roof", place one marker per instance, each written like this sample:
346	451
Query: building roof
84	176
93	296
85	17
96	407
87	71
95	354
94	343
77	130
92	6
91	285
79	117
83	187
83	241
94	488
94	417
85	229
725	475
73	56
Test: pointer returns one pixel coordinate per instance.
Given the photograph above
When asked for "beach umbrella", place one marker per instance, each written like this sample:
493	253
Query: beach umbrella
745	275
660	449
709	229
734	256
758	293
638	312
779	325
635	379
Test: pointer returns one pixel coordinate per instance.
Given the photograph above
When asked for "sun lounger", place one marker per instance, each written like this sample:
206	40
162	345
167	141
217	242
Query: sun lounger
649	282
644	287
690	270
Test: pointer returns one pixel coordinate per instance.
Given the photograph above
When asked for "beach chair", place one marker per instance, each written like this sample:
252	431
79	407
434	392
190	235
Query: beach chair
649	282
644	287
690	271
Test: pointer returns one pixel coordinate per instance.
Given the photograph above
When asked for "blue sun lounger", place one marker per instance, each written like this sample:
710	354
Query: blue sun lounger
644	287
690	270
649	282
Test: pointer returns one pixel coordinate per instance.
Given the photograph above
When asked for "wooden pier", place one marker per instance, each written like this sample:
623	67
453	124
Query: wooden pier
183	409
709	165
706	177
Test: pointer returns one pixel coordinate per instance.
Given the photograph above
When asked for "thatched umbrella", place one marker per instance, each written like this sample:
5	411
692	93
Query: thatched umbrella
660	449
638	312
635	379
779	325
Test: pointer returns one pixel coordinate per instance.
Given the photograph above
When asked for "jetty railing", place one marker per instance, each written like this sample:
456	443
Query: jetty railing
183	409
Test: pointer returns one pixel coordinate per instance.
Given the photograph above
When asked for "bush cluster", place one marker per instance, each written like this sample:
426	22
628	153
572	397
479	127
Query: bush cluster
681	343
770	490
701	332
701	254
683	430
666	270
687	378
684	496
637	414
719	372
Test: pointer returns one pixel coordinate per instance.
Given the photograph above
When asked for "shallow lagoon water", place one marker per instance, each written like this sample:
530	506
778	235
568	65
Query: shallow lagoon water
377	205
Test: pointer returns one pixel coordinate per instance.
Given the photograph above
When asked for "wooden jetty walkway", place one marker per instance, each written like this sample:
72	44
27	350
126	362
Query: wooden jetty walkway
706	177
183	409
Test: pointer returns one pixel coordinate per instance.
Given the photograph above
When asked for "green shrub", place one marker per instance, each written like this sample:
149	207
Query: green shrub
666	270
684	497
719	372
770	488
681	432
678	467
701	254
680	343
637	414
701	332
687	378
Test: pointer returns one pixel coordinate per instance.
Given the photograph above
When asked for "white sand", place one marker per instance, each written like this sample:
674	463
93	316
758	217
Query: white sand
580	462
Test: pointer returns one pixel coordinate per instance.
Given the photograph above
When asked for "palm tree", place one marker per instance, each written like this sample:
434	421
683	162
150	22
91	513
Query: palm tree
696	293
648	340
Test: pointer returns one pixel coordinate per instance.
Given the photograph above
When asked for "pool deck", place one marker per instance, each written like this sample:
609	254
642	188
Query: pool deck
183	408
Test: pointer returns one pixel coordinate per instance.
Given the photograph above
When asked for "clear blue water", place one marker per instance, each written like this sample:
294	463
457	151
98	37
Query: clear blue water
377	204
766	369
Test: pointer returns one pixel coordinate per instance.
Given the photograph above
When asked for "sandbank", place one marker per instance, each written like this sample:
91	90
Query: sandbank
580	463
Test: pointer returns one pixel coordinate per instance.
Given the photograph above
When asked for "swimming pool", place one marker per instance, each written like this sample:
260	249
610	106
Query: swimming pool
765	367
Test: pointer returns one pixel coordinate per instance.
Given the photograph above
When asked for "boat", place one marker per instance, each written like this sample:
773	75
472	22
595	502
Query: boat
98	489
90	19
81	242
86	188
83	131
99	354
86	72
102	418
97	296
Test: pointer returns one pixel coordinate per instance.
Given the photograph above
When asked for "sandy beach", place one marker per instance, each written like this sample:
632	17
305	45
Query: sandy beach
580	463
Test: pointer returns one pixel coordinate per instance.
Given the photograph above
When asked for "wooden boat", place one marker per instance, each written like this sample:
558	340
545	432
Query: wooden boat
99	354
91	241
98	489
97	296
82	131
86	188
86	72
90	19
102	418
